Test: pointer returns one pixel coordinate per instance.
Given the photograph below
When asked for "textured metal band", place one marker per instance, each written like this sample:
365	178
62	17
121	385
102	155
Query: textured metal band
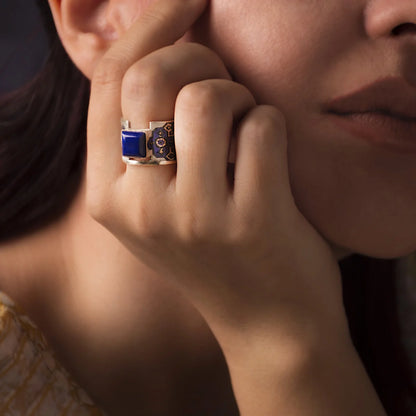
152	146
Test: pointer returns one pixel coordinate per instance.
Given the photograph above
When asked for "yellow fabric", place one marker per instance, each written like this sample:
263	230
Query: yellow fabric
32	382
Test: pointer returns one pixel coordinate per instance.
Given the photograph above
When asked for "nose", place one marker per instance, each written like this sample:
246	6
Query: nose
390	18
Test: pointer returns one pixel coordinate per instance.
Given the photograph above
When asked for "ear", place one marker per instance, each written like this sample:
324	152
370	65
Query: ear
87	28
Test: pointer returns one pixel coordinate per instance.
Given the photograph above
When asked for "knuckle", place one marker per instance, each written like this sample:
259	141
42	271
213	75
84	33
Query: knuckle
266	119
144	79
196	228
245	240
189	227
204	57
271	119
202	97
146	223
266	123
244	230
248	226
195	48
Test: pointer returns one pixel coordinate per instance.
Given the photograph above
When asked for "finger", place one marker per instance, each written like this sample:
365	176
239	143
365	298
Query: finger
161	24
261	178
205	114
151	85
150	88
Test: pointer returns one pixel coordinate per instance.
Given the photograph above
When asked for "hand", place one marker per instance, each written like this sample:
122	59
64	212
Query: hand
230	235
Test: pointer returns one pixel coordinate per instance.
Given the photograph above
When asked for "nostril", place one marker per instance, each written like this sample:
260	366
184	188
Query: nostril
404	29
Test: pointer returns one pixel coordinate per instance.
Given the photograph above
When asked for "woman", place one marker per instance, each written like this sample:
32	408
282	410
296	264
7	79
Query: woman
158	285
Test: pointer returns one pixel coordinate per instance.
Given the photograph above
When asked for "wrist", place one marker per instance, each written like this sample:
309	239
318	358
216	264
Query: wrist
292	341
302	377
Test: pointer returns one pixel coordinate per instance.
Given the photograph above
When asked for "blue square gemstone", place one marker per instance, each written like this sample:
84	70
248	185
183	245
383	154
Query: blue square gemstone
133	143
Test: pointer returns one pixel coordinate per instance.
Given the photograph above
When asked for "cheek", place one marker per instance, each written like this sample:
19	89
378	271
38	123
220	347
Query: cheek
357	197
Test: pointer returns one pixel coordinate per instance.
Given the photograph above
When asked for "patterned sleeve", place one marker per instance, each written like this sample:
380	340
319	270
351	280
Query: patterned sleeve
32	382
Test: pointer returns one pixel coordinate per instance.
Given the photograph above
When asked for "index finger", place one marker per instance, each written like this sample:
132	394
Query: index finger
161	24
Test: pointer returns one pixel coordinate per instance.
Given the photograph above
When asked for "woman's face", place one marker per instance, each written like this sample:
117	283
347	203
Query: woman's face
301	54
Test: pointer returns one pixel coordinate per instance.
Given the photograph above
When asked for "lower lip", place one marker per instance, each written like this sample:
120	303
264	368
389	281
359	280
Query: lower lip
380	129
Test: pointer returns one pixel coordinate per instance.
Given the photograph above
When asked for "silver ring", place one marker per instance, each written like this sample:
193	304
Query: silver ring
152	146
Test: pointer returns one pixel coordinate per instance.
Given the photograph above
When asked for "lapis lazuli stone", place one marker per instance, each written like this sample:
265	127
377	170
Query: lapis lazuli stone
133	143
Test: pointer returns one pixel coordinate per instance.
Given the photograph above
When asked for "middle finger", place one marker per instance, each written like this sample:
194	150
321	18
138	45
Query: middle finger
150	88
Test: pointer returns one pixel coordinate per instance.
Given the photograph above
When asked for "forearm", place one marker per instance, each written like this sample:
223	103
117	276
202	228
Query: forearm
298	379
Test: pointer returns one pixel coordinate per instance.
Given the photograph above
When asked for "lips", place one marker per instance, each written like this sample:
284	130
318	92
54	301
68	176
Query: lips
383	112
390	96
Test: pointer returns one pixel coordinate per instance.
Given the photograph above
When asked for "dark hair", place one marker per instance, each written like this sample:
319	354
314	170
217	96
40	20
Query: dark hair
42	142
42	153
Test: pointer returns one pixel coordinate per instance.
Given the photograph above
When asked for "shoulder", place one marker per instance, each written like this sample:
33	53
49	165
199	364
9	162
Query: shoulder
27	264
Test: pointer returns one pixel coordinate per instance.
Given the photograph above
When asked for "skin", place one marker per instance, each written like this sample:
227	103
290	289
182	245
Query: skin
358	196
314	197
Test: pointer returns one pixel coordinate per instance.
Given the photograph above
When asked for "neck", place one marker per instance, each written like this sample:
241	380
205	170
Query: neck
28	262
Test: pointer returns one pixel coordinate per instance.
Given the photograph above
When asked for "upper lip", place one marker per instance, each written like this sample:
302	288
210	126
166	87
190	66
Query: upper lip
391	96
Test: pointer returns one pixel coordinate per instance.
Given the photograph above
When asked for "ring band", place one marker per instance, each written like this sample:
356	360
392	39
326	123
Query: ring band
152	146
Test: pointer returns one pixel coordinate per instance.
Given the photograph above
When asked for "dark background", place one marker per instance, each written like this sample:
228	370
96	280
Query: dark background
22	43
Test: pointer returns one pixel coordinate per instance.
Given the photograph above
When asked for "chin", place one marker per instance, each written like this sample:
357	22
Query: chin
360	225
356	196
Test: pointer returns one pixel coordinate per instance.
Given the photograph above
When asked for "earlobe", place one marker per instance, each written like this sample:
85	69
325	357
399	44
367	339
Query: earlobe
86	30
